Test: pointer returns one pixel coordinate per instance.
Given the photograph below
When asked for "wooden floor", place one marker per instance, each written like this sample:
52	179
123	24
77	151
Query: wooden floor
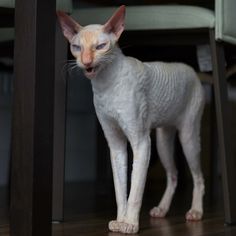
92	216
96	224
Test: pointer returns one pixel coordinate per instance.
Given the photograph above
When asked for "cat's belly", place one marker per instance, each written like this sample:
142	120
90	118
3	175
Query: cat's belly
161	119
166	110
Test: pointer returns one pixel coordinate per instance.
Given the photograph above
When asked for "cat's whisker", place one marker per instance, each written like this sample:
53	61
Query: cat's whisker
73	68
63	62
69	66
72	61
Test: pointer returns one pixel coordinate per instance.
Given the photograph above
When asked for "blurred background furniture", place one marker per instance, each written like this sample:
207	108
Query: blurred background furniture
189	25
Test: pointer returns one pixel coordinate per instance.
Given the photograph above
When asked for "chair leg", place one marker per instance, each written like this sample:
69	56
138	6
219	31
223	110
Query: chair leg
214	152
59	126
32	123
221	101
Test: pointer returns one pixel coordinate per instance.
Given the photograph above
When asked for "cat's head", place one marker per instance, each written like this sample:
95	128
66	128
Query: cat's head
92	45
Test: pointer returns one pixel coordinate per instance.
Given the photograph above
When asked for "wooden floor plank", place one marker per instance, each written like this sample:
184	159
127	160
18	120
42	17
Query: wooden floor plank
96	224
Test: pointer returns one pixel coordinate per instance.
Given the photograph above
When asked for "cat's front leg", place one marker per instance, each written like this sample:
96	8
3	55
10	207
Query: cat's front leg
119	170
141	157
118	151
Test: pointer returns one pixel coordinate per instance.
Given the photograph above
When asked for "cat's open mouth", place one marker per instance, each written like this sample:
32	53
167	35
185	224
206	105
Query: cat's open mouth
91	71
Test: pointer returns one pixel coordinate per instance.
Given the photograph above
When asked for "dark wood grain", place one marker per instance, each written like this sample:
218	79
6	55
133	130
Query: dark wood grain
32	146
59	125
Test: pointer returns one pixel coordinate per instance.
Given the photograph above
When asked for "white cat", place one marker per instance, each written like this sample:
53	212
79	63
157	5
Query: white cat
130	99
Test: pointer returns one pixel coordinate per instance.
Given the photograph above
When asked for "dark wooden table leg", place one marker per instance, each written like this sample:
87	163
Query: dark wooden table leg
228	162
59	125
33	112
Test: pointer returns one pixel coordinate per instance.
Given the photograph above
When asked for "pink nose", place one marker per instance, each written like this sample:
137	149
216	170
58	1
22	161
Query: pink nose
87	59
87	64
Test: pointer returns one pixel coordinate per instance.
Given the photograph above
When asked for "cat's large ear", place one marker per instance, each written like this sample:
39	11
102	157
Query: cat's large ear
116	23
69	26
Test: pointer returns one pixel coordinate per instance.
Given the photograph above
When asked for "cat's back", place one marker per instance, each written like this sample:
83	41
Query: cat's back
158	74
171	77
171	71
170	88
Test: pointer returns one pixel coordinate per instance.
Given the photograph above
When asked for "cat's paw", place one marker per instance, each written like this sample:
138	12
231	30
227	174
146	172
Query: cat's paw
193	215
158	212
127	228
122	227
114	226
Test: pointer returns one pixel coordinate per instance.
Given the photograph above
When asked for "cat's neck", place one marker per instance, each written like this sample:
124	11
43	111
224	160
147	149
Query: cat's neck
108	76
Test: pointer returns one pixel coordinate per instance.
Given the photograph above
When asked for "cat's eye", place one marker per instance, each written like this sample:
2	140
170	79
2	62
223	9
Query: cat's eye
76	47
101	46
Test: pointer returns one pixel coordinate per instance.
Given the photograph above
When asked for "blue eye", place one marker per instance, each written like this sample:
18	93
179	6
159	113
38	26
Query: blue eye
76	47
101	46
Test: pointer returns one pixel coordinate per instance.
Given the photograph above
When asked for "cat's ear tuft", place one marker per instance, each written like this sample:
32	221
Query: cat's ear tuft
116	23
68	25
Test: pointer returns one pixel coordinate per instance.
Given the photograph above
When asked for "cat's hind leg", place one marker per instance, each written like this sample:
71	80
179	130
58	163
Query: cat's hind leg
165	146
189	135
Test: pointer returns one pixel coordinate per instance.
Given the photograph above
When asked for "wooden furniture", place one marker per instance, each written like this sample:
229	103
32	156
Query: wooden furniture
38	127
33	115
32	147
60	53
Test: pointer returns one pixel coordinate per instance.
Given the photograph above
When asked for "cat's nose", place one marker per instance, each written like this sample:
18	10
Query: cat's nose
87	64
87	59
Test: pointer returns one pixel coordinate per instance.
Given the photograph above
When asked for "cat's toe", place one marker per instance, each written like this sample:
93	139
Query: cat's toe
193	215
122	227
114	226
158	212
127	228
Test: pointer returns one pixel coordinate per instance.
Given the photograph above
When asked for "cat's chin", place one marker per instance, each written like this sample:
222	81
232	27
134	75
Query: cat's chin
91	72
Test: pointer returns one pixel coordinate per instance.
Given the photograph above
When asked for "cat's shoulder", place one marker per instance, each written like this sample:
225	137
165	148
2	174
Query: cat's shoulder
132	61
133	65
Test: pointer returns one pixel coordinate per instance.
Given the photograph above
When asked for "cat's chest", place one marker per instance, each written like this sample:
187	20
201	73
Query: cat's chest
114	104
123	106
119	97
